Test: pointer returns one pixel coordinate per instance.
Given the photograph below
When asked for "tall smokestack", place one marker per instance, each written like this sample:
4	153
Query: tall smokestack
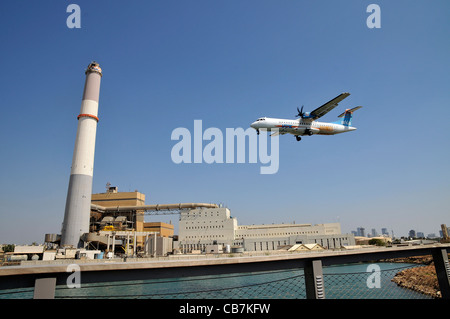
78	202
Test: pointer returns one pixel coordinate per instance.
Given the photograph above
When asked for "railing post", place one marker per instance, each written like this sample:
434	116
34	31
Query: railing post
314	280
440	258
44	288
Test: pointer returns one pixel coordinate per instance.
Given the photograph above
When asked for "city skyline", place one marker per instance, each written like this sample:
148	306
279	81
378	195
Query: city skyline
372	232
167	64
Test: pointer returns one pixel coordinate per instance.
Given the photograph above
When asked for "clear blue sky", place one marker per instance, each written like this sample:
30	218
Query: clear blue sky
167	63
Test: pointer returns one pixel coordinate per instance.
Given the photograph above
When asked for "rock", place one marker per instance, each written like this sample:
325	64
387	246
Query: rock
422	279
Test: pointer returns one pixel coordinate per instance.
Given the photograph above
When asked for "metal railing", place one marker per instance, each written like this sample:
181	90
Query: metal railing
346	276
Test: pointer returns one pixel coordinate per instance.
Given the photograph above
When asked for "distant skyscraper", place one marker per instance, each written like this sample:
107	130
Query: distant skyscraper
374	232
361	231
412	233
384	231
444	229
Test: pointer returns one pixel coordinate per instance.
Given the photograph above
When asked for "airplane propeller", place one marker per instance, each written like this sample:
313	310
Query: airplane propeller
300	112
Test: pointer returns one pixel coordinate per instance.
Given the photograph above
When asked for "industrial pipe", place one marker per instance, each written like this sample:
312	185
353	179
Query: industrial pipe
156	207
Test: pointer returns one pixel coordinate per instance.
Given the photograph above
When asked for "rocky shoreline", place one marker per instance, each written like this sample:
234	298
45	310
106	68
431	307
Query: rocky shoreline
422	279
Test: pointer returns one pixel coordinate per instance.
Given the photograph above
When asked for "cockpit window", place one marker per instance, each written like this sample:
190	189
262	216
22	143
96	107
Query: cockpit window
260	119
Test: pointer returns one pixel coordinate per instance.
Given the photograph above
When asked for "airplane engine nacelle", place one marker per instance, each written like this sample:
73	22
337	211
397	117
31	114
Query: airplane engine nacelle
311	131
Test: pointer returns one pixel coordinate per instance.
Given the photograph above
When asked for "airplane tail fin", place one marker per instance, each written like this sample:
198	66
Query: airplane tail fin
348	114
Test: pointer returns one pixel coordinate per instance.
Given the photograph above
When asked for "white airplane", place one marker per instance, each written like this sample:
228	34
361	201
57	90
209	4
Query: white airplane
307	124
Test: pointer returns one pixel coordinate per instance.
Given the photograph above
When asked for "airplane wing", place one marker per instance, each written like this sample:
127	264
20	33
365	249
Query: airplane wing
327	107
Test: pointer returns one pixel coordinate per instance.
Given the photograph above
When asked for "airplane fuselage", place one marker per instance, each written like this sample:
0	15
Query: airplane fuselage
299	127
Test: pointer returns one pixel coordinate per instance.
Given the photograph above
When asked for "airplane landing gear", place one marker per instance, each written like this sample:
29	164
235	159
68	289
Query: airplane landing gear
257	132
298	138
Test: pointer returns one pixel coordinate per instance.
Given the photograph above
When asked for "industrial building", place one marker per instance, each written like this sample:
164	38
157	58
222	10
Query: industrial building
108	218
201	227
122	221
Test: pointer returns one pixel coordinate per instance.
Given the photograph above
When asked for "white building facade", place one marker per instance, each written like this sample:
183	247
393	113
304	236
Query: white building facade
205	226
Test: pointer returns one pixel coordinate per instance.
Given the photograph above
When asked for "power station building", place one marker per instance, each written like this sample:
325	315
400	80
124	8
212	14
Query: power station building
113	198
201	227
109	218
